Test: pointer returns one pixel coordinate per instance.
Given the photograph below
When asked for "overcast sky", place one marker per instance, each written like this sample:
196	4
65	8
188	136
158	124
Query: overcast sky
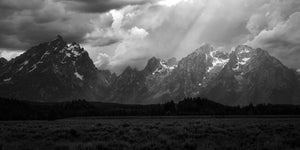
117	33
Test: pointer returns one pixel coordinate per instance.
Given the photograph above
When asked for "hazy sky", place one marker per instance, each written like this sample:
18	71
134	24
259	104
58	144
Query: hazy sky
118	33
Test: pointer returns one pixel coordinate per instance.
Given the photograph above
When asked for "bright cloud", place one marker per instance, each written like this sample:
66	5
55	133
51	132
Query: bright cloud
170	3
8	55
177	27
138	33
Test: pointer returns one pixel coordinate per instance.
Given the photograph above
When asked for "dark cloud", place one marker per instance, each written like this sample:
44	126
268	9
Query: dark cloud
25	23
21	4
100	6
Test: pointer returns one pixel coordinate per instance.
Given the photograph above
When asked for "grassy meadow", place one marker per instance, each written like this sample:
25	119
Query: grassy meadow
147	133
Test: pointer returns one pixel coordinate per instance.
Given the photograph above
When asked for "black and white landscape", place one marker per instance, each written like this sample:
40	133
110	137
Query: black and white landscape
149	74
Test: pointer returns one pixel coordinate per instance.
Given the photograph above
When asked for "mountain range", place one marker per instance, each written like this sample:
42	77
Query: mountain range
61	71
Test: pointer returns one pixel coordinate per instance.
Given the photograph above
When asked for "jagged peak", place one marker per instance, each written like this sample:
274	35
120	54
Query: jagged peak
247	50
205	48
74	47
70	49
2	59
243	49
152	59
59	37
206	45
129	69
152	63
59	41
73	44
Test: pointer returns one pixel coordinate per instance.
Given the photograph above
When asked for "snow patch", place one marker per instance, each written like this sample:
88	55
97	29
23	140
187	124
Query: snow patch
68	54
245	50
163	63
45	54
79	76
244	61
173	67
240	63
217	62
20	68
76	54
237	67
33	68
7	80
72	47
25	62
73	50
164	67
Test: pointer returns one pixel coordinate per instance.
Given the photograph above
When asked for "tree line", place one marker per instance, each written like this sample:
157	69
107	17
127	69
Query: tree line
13	109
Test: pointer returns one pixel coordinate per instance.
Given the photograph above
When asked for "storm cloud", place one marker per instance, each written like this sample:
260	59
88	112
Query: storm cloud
118	33
25	23
99	6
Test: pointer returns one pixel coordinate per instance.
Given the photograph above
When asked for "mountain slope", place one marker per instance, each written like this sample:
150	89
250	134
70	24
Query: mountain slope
51	71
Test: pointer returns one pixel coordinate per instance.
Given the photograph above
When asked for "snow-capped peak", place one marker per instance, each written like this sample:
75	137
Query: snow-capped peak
205	48
73	46
72	50
243	49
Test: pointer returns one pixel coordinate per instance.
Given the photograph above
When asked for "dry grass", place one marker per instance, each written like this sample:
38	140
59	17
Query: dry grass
146	134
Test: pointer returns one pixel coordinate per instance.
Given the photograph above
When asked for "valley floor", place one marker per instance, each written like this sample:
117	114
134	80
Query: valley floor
152	133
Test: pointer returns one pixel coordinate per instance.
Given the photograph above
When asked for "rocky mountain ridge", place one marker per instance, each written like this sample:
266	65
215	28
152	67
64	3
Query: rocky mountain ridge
61	71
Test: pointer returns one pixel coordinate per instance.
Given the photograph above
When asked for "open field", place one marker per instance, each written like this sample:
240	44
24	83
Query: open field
152	133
